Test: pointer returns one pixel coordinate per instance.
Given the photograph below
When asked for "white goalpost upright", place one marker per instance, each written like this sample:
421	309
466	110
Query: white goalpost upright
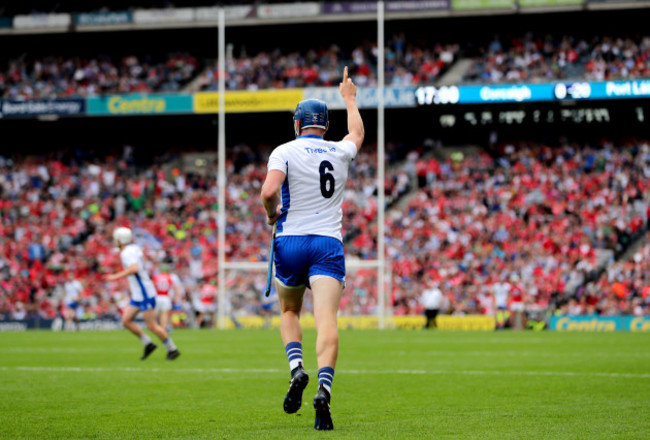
381	173
380	262
221	157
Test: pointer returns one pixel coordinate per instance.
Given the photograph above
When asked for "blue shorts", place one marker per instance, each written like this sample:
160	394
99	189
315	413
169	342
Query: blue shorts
299	257
147	304
267	306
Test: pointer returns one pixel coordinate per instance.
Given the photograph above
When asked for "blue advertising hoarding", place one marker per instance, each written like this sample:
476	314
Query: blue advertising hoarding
621	89
103	18
488	93
394	97
57	324
132	105
505	93
42	107
513	93
600	323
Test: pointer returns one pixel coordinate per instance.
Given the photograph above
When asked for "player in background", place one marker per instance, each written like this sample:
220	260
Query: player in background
501	291
73	289
517	303
180	293
266	306
206	304
311	173
168	293
143	295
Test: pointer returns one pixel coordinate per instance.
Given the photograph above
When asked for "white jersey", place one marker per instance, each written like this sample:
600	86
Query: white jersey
140	284
501	294
432	299
312	193
73	291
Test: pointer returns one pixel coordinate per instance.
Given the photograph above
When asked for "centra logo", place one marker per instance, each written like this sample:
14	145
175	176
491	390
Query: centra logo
595	325
126	106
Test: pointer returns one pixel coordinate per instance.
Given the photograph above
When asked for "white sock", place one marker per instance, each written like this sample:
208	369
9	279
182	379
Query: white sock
169	344
294	363
145	339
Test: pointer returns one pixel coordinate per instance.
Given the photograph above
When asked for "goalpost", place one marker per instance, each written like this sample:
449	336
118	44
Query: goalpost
380	262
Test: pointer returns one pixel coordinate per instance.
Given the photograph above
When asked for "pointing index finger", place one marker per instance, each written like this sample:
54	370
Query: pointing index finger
345	73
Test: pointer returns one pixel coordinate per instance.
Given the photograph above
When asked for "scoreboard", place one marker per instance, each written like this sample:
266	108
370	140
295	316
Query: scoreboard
557	104
545	114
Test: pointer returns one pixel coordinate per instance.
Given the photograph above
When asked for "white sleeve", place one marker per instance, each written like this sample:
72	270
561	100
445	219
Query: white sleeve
349	148
277	161
129	257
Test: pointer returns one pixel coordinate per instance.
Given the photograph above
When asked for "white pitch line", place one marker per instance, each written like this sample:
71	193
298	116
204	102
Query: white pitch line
276	370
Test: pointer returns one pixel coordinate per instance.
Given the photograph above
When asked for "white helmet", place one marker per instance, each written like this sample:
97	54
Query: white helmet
122	236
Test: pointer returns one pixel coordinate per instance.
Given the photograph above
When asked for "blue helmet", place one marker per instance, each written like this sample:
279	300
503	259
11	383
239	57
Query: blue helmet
310	113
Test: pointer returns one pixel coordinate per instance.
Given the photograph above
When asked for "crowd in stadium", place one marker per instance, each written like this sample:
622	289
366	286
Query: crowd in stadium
57	77
523	228
623	287
534	58
527	58
57	218
406	64
489	231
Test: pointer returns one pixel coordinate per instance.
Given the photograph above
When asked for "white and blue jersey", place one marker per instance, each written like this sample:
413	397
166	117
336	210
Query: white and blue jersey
309	240
73	291
312	193
143	291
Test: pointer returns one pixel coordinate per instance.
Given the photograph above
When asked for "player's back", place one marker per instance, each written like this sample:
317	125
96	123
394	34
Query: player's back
163	283
140	283
312	193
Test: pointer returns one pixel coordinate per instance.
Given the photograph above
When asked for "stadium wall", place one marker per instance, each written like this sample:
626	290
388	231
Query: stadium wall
445	322
285	99
251	15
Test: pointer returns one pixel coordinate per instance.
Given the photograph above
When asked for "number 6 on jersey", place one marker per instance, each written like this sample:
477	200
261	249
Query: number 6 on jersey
327	181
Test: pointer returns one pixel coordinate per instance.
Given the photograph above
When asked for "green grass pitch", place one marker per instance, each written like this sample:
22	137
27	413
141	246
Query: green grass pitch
388	385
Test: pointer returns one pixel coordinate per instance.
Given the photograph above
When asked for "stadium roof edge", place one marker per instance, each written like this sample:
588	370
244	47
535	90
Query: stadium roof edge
319	18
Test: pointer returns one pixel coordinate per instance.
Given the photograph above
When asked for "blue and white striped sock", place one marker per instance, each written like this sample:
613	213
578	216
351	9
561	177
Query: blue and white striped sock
325	378
294	353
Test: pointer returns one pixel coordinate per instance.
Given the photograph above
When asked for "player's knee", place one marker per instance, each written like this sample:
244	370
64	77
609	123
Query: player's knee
291	310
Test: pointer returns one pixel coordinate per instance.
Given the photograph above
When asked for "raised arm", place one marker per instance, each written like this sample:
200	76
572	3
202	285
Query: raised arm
348	91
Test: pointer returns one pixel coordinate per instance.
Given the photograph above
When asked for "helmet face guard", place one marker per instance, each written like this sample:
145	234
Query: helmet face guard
311	113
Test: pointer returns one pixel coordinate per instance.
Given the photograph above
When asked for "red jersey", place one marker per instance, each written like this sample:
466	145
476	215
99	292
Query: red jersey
163	283
516	294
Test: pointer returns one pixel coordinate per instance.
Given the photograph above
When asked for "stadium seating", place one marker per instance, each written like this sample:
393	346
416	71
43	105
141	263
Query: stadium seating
406	64
622	289
57	220
527	58
55	77
537	58
533	217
